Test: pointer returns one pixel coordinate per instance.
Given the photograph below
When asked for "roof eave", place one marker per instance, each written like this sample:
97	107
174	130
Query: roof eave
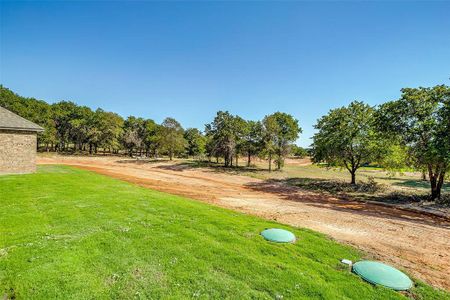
22	129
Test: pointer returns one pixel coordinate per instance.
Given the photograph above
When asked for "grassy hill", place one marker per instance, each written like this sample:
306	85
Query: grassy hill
72	234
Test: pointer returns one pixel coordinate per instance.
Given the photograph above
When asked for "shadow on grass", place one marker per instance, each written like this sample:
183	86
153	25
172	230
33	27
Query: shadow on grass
211	166
334	186
341	201
420	184
369	191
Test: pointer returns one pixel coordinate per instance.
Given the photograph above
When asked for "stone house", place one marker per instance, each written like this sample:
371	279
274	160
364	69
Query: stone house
18	138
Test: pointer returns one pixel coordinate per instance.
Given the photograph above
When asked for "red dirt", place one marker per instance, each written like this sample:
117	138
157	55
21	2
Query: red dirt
418	243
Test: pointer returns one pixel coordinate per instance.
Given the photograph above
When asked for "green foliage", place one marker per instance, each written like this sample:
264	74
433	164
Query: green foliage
110	126
150	137
395	159
133	134
196	142
72	234
225	135
252	140
347	137
66	123
279	133
70	127
298	151
420	119
171	137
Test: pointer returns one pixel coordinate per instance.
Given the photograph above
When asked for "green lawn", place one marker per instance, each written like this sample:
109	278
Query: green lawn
72	234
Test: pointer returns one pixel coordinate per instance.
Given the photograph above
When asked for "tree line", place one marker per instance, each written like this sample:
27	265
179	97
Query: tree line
70	127
413	132
410	132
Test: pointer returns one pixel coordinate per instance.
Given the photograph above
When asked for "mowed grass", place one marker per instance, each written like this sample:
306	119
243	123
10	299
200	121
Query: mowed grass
72	234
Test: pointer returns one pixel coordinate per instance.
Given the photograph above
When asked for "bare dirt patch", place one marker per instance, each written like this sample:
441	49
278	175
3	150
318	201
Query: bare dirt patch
417	243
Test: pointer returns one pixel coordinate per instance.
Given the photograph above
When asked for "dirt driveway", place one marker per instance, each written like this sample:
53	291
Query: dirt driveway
417	243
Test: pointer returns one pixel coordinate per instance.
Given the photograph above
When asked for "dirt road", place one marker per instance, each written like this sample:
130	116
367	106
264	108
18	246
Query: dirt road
420	244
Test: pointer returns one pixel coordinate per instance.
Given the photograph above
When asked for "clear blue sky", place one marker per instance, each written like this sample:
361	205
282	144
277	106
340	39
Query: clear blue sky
188	60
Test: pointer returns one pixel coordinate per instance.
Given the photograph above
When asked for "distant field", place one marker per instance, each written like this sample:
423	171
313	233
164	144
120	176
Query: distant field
73	234
392	187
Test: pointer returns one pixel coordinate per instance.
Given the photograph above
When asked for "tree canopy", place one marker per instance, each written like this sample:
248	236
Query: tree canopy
413	132
172	137
225	133
196	142
347	137
280	132
420	120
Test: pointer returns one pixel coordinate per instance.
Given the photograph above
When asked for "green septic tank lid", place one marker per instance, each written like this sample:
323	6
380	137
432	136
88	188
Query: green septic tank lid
379	273
278	235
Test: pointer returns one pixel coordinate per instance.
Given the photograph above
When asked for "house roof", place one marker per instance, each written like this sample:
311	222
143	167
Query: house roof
11	121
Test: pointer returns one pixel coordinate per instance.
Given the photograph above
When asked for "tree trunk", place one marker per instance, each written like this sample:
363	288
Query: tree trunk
436	181
249	159
353	177
270	162
424	175
170	155
237	160
436	185
435	193
440	184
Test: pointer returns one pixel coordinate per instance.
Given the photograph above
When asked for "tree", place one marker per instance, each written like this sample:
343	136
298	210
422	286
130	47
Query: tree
49	136
225	134
252	140
196	142
81	127
105	129
64	115
347	138
395	157
172	137
269	137
280	131
112	129
210	145
420	119
240	129
132	134
150	137
298	151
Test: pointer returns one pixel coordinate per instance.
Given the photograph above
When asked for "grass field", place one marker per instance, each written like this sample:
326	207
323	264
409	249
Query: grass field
72	234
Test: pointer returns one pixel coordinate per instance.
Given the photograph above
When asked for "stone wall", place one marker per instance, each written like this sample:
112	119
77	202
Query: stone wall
17	152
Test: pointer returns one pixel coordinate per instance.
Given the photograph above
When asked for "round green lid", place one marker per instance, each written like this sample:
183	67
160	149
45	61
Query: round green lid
278	235
379	273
